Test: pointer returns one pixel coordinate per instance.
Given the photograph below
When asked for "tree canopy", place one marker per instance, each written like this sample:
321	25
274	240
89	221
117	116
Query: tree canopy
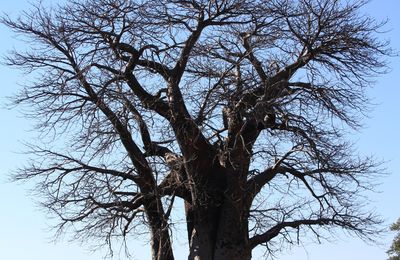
238	108
394	251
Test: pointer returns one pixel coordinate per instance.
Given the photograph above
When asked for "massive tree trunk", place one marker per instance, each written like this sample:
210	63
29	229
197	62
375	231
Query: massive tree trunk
232	236
219	234
218	219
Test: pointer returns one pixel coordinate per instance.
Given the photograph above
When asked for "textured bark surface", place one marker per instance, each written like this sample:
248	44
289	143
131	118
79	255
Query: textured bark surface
219	219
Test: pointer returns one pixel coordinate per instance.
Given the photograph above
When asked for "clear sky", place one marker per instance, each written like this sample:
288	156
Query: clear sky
24	233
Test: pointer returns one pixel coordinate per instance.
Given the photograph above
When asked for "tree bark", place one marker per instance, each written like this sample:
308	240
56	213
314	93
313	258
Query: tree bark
232	240
219	234
161	247
220	228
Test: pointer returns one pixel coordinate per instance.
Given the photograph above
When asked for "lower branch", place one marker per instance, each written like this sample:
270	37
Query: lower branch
274	231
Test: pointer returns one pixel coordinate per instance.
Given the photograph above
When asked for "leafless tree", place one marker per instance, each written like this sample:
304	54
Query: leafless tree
240	108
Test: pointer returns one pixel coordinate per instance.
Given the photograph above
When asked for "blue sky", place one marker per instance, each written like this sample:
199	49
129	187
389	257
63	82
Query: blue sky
24	233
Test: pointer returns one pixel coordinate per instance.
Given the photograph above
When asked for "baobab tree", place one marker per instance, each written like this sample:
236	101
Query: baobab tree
239	109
